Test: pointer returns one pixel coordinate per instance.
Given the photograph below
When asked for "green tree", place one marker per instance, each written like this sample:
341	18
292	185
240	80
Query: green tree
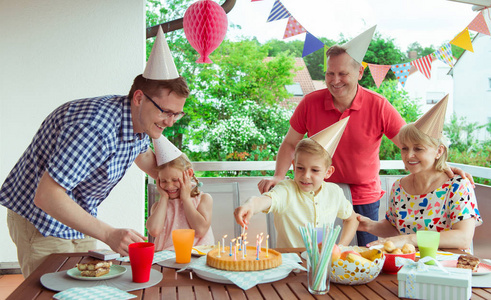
240	87
420	51
235	98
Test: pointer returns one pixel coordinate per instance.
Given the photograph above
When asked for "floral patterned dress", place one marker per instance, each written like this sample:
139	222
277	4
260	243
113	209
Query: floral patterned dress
438	211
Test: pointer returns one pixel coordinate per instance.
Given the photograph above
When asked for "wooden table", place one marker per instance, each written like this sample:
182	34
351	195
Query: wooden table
182	286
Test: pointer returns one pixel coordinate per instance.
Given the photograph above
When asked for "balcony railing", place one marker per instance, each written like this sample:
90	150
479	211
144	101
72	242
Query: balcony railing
248	188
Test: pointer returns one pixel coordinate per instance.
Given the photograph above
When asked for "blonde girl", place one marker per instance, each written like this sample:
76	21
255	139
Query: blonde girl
181	205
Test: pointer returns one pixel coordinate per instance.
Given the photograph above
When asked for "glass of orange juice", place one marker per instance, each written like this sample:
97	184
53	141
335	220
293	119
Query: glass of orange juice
183	240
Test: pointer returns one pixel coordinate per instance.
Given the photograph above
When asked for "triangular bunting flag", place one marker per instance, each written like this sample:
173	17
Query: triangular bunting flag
487	17
423	65
378	73
311	44
463	40
401	71
293	28
278	12
364	64
479	24
445	54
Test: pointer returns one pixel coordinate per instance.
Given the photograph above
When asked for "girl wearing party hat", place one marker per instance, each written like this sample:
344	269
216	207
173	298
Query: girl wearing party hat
181	204
427	199
307	198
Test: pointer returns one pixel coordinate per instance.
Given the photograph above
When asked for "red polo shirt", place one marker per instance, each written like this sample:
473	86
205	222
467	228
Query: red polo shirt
356	159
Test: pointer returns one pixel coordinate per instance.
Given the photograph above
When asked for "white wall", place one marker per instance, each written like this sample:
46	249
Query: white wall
472	77
419	87
56	51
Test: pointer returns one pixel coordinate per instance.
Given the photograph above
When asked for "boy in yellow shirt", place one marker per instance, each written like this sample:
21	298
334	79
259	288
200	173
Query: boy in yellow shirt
307	198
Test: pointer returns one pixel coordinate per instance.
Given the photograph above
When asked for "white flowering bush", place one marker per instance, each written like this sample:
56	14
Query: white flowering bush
238	133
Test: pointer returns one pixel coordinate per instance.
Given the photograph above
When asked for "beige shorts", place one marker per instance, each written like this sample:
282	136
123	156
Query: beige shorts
33	247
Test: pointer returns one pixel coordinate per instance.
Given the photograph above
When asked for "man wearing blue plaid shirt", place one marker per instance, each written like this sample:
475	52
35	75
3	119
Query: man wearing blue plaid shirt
80	152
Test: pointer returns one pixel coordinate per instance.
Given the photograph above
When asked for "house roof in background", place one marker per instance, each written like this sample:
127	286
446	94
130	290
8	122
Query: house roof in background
302	77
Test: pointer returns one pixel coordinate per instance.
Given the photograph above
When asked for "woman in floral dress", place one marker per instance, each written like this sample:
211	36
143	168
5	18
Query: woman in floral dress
427	199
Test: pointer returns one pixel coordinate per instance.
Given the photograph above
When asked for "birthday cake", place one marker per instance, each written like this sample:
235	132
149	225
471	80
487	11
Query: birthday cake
240	261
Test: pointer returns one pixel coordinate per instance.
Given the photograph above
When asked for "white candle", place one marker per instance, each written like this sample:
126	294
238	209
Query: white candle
267	238
223	243
219	249
245	249
231	243
260	241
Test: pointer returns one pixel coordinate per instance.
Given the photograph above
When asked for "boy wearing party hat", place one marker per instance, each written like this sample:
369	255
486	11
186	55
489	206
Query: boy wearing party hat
79	153
307	198
446	205
357	162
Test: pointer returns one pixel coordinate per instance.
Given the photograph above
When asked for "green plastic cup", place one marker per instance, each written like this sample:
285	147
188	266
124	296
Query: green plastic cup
428	242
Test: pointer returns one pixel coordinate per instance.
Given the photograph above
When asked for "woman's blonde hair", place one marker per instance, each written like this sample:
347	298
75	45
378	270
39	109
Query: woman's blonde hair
409	133
312	147
182	163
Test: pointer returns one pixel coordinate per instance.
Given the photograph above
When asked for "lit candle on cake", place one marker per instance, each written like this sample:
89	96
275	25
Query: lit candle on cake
231	242
218	255
223	243
267	246
260	241
245	249
257	247
239	240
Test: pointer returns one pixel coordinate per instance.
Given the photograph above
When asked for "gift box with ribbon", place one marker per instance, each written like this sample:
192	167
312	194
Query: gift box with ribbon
420	281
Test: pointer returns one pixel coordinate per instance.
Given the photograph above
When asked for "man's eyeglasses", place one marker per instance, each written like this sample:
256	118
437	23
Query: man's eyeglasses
165	114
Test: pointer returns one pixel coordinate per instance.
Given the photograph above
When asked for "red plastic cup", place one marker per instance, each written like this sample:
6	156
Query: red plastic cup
141	259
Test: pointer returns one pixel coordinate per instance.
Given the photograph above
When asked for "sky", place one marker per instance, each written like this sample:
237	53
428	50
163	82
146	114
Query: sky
429	22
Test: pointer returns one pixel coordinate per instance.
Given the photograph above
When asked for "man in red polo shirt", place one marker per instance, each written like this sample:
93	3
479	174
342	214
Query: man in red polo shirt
371	116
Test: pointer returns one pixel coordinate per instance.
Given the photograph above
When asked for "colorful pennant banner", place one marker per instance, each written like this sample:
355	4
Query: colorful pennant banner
293	28
401	71
444	53
463	40
278	12
378	72
311	44
481	23
423	65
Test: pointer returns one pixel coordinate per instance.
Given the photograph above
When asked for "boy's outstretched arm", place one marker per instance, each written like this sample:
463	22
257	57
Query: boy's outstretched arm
349	230
252	206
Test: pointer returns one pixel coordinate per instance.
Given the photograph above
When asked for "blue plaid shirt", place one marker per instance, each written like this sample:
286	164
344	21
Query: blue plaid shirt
86	146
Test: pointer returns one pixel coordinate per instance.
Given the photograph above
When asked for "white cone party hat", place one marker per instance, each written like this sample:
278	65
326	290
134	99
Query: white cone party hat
431	123
329	137
160	64
358	46
165	151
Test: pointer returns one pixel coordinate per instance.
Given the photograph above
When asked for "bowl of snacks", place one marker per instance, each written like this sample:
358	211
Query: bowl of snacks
356	265
391	252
